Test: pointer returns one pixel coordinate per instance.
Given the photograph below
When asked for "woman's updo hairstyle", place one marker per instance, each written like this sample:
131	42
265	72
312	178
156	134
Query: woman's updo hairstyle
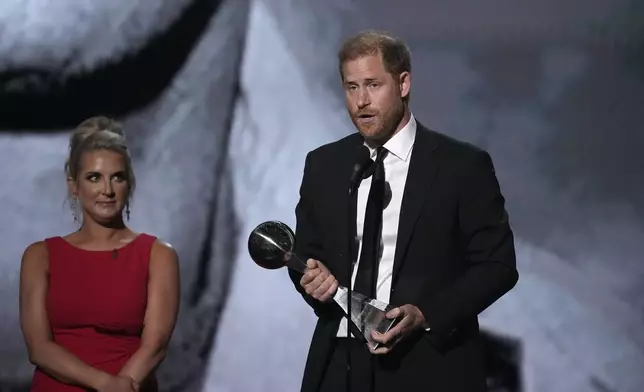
98	133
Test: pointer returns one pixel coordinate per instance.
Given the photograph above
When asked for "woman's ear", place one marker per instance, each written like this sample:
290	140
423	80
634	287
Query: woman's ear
72	187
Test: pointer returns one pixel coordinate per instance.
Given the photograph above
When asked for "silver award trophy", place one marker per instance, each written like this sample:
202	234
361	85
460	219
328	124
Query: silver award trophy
271	245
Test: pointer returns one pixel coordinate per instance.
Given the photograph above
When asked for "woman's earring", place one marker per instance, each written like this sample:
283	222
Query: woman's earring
127	212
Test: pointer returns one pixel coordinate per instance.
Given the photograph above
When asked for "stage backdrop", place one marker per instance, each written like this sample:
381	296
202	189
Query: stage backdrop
222	99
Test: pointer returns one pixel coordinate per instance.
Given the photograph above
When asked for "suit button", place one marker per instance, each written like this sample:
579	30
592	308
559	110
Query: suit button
341	255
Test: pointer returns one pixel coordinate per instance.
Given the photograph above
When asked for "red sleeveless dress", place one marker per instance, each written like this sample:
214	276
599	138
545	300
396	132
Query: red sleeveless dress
96	304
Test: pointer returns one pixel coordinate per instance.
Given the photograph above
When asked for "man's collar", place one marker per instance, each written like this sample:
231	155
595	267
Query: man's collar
402	142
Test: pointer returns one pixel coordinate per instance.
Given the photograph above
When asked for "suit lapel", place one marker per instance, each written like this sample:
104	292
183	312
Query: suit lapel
422	169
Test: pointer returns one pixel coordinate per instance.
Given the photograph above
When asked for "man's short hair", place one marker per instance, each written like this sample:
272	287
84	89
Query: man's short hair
395	54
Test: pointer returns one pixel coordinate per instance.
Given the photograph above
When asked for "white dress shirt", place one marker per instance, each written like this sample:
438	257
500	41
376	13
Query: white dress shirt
396	165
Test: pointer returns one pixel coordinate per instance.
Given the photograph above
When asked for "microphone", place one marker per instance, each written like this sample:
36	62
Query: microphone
363	162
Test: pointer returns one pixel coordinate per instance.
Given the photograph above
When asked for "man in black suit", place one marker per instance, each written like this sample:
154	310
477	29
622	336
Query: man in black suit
432	234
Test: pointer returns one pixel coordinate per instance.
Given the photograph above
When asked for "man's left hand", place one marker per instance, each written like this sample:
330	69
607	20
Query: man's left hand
411	320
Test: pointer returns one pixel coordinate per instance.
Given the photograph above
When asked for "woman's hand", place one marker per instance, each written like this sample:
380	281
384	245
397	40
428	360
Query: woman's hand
119	384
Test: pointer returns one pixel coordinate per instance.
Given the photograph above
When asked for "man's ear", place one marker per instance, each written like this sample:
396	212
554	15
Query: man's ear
404	81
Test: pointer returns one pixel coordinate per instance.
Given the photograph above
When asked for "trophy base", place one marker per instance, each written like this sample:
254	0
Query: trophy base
367	314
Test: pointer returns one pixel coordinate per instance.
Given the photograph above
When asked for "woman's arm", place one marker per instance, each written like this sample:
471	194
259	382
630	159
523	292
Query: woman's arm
160	315
43	351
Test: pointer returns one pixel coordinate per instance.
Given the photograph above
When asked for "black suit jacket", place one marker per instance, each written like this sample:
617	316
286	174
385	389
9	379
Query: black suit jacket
454	257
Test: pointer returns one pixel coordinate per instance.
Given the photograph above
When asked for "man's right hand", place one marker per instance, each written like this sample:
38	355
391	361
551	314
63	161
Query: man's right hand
318	282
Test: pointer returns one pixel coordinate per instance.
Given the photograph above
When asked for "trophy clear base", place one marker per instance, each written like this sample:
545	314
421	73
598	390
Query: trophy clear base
367	314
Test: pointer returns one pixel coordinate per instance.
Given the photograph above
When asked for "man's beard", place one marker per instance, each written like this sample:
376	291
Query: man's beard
387	122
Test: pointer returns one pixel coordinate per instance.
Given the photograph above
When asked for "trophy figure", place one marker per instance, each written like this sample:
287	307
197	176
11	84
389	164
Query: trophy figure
271	245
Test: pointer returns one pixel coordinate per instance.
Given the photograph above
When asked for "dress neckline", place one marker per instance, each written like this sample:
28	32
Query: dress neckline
69	244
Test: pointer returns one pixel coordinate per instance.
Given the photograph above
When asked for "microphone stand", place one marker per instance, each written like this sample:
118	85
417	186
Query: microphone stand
352	260
356	178
352	242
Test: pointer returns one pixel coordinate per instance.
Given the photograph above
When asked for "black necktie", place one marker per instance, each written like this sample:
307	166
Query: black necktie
372	234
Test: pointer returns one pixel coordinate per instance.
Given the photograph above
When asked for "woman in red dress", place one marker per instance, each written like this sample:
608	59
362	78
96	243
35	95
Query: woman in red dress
98	306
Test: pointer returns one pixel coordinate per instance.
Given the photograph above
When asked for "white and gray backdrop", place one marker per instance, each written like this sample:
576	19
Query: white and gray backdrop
222	99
